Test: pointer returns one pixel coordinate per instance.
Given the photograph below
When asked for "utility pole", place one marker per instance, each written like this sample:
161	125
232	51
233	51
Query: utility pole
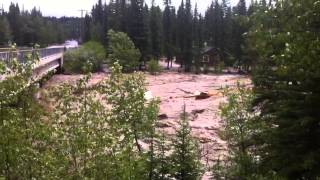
1	10
81	24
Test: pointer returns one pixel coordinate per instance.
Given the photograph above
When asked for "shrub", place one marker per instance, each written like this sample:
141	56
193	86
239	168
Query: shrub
75	60
122	50
153	67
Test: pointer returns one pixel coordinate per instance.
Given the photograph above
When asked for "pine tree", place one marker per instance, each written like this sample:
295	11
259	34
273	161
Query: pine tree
105	23
14	18
188	53
185	157
87	28
168	32
5	31
287	87
155	30
227	34
239	29
181	33
197	38
99	25
138	27
147	29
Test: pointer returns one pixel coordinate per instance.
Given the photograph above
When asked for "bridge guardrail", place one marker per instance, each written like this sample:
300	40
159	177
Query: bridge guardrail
22	54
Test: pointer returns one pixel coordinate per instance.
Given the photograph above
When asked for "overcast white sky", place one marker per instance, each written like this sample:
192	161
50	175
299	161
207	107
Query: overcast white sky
70	7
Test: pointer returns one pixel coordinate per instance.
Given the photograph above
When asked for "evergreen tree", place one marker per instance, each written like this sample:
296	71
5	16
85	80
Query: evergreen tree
99	24
168	32
5	31
287	88
197	38
188	53
227	43
162	161
155	30
138	28
14	19
87	28
240	27
185	157
181	33
147	29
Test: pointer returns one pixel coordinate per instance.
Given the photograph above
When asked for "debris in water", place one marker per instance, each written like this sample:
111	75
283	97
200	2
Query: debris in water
163	117
197	111
202	96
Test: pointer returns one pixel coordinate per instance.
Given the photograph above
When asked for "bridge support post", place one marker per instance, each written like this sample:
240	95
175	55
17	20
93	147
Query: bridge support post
60	68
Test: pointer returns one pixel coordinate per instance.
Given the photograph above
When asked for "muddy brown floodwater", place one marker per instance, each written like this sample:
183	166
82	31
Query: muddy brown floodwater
176	90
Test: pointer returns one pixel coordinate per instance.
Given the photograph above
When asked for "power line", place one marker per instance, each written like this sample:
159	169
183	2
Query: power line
81	23
82	11
1	9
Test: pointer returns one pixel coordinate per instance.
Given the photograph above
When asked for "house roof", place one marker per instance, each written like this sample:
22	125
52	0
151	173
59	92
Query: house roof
209	49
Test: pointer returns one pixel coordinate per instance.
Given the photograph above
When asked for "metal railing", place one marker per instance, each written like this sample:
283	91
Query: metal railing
21	55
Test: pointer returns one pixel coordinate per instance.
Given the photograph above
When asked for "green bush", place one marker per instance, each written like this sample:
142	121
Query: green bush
153	67
75	60
122	50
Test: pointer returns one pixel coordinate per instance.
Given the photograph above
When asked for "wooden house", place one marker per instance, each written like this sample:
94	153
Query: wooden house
210	56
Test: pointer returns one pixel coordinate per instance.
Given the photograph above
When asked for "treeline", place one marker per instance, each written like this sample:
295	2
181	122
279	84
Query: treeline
26	28
174	33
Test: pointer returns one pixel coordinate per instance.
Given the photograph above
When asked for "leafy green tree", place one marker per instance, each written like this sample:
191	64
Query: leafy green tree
81	135
24	135
241	127
185	158
76	60
121	49
132	120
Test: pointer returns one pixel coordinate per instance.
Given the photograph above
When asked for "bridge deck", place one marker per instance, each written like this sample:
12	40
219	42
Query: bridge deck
50	59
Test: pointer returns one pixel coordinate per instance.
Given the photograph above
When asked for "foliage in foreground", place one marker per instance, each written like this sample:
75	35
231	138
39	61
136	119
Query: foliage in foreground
91	132
243	133
285	38
241	126
24	136
75	61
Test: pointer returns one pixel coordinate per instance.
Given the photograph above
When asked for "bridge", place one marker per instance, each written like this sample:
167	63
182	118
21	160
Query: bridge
50	59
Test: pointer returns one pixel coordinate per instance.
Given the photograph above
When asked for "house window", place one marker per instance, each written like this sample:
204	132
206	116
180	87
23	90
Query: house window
206	58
